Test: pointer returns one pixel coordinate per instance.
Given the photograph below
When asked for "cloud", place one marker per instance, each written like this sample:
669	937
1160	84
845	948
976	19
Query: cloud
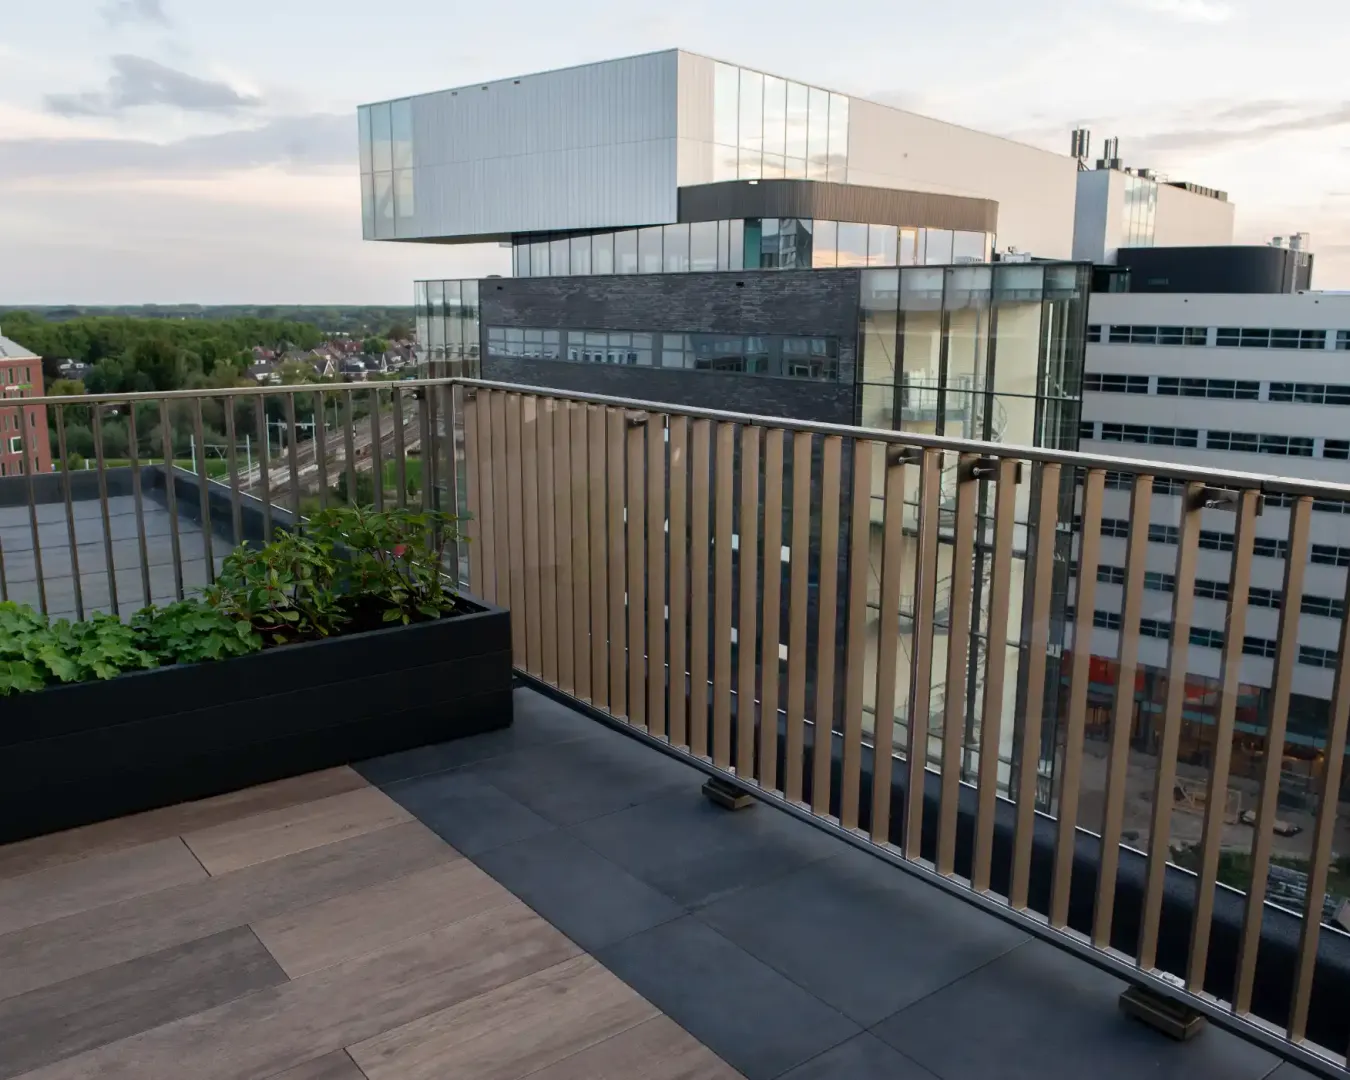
1209	137
117	12
138	81
321	140
1193	11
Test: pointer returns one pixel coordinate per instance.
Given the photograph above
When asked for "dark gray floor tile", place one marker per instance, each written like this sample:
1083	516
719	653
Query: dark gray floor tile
745	1012
862	936
1040	1014
696	852
571	782
466	811
584	895
538	721
863	1057
1290	1071
92	1010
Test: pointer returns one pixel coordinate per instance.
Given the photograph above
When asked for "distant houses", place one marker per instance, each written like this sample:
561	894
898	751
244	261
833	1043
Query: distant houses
338	360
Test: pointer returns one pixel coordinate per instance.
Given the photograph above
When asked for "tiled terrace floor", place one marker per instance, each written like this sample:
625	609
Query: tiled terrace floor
317	930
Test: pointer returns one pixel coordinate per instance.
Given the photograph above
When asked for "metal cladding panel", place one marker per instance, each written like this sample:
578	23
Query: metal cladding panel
1034	188
586	147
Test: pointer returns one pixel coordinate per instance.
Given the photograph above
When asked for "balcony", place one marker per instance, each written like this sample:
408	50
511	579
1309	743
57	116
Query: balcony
560	900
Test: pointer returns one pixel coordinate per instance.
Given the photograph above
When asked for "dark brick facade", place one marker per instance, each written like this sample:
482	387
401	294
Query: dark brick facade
806	302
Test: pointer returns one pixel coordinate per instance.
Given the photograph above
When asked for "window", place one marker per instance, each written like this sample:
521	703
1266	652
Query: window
625	252
1215	541
1343	340
1107	620
1164	534
1311	393
676	247
1264	598
1155	628
1330	554
1312	339
1339	449
1312	656
16	444
810	358
1116	384
1196	335
1266	548
1232	440
1087	429
1117	527
702	245
1287	445
1210	590
1254	339
1119	335
1111	575
1256	646
1206	639
1156	436
1209	388
1094	334
1327	606
1159	582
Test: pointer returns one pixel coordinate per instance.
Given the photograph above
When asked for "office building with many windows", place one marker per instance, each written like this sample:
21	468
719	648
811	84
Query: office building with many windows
23	432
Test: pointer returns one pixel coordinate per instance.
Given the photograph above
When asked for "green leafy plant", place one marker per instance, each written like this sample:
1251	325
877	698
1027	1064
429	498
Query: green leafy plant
284	591
393	558
191	631
36	652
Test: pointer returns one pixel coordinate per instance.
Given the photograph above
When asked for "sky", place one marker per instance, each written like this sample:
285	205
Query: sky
194	151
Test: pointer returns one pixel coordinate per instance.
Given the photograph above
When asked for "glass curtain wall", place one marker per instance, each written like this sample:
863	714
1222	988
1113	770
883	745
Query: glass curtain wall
767	128
995	353
448	335
385	148
743	244
1141	210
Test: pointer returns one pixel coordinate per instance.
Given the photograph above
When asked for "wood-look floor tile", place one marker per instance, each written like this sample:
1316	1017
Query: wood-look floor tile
92	1010
77	944
307	939
657	1049
335	1066
104	836
276	833
73	887
509	1032
273	1030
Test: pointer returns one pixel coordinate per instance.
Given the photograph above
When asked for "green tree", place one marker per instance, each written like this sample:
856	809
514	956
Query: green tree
160	361
374	346
398	331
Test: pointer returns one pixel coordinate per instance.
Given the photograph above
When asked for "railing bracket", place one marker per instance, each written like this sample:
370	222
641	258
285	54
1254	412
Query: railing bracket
903	455
1217	498
636	420
727	796
1173	1019
986	468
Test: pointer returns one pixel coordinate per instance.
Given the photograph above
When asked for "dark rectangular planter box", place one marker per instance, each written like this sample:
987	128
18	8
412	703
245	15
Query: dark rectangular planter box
71	755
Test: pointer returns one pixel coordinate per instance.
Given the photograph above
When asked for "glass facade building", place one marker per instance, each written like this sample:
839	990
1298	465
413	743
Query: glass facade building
447	325
744	244
385	149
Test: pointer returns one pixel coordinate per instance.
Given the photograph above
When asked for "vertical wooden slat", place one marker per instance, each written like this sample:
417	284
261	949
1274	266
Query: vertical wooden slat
618	586
637	595
799	565
1164	779
204	493
656	574
1089	551
100	464
888	642
1286	653
958	660
529	511
133	449
487	520
581	554
773	584
722	598
921	658
859	574
1122	712
700	437
473	527
545	418
595	424
826	628
562	542
499	507
1216	794
996	636
1029	749
678	709
515	516
1323	837
746	630
170	497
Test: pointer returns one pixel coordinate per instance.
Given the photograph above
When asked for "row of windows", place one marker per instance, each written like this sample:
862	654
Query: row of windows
1276	500
1155	581
1308	655
1212	540
1162	485
1303	393
1245	442
815	358
744	244
777	128
13	375
1222	336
